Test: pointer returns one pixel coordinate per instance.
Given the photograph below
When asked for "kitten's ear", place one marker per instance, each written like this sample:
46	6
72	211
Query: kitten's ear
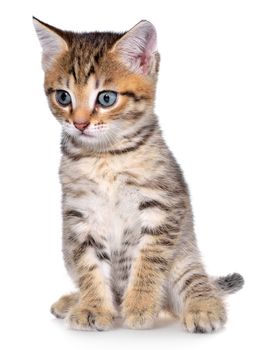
137	47
51	40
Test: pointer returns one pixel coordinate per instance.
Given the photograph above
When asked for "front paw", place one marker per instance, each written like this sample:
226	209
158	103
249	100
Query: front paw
85	318
141	319
138	312
204	315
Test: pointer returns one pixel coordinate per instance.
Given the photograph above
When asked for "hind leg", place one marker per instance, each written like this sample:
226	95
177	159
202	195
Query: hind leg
61	308
194	298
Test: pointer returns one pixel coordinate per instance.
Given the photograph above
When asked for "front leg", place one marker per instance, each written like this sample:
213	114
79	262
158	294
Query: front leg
161	213
94	309
143	299
87	258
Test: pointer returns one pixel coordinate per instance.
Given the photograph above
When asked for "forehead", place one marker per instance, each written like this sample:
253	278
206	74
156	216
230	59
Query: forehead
87	55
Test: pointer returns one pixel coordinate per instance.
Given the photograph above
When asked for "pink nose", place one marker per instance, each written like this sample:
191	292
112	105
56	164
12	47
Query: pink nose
81	126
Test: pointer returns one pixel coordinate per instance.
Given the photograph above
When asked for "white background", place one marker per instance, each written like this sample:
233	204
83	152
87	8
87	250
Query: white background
210	107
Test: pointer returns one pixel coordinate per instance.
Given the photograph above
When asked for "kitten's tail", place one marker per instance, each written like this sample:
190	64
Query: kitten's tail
229	284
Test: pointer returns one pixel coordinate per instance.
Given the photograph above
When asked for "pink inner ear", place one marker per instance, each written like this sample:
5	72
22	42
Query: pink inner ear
145	61
150	48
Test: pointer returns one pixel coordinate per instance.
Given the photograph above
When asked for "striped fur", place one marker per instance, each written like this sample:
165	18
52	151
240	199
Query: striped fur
128	238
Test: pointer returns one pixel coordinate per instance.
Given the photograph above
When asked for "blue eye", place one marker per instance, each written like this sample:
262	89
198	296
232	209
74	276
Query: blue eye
107	98
63	98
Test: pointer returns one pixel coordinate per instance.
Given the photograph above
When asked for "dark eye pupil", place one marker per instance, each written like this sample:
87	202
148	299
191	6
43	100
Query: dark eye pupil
106	98
63	96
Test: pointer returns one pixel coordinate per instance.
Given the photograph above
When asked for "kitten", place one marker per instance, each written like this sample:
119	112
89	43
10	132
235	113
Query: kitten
128	238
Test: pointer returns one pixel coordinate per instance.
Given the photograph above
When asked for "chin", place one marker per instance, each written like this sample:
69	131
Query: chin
93	141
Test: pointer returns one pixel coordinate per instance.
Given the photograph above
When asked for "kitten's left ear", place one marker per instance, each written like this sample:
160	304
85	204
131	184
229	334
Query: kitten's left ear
51	40
137	48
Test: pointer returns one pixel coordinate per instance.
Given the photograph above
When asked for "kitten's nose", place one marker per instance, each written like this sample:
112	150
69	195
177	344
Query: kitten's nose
81	126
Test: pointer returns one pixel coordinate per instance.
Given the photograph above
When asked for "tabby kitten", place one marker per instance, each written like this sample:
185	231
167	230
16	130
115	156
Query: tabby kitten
128	238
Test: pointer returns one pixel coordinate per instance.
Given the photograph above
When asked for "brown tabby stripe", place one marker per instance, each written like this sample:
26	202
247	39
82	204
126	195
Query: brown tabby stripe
157	260
161	183
152	204
204	291
159	230
74	213
134	115
136	146
90	242
124	260
73	73
71	156
78	252
49	91
134	96
97	57
193	278
190	269
166	242
86	280
141	131
88	74
199	288
92	267
103	256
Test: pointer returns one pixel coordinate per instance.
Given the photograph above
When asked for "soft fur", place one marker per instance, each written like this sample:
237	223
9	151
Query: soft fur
128	237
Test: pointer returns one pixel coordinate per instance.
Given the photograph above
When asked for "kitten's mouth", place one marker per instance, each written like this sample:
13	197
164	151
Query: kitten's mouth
86	134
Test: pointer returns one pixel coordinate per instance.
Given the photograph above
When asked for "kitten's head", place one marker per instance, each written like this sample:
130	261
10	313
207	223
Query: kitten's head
100	86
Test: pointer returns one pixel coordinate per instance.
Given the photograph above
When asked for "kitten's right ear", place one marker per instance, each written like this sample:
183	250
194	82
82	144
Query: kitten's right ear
51	40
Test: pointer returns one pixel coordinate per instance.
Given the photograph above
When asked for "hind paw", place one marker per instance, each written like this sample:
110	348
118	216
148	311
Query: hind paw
204	315
61	308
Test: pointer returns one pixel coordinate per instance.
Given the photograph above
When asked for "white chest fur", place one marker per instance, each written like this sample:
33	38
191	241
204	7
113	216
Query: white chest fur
97	188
